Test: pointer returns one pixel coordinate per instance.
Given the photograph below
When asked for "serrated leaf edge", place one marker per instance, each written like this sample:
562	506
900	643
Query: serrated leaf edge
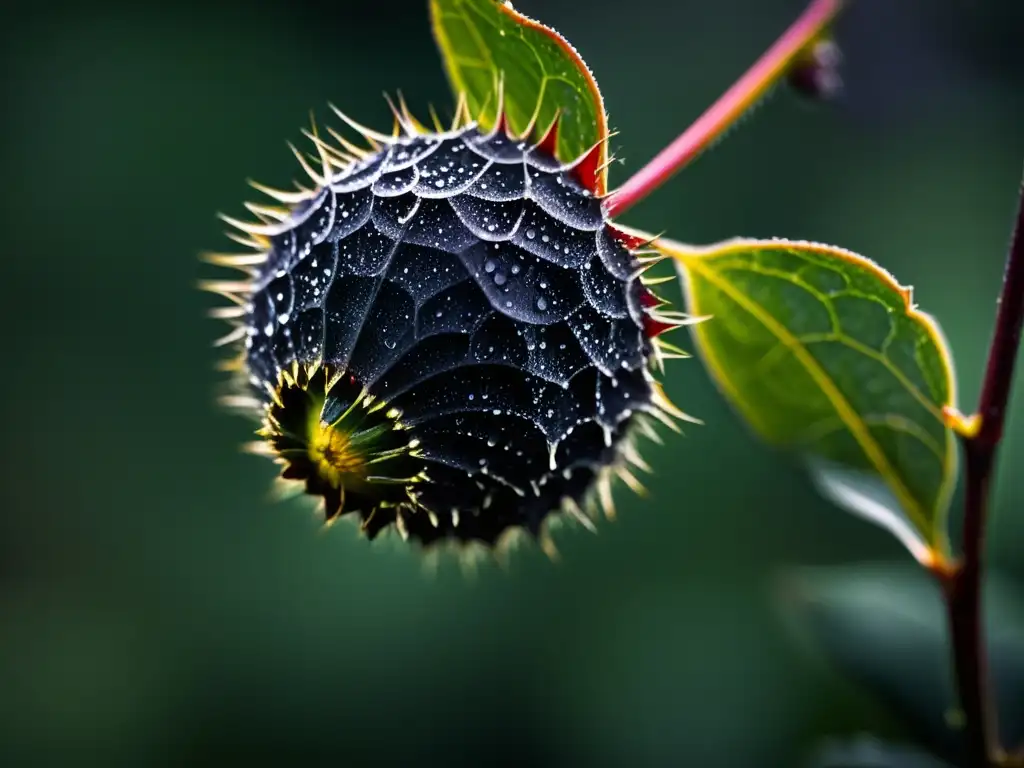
688	258
459	86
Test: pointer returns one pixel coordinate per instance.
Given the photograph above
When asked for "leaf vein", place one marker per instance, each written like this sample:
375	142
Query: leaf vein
873	451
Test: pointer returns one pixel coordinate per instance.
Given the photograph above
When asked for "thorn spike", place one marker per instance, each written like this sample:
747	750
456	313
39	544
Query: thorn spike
462	116
632	455
500	118
234	260
357	152
227	313
573	509
330	157
630	480
417	126
250	228
314	136
604	495
374	137
225	286
236	334
281	195
435	119
655	326
268	214
256	242
304	162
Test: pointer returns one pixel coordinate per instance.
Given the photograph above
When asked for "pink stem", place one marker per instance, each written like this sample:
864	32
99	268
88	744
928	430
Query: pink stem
730	106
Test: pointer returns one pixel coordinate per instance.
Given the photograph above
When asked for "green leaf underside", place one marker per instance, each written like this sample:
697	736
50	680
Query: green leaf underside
885	627
822	352
482	42
867	752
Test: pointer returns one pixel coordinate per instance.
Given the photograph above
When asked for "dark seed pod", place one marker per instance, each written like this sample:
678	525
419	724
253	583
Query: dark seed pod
446	334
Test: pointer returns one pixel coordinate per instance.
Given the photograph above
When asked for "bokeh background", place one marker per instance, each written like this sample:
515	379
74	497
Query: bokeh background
156	607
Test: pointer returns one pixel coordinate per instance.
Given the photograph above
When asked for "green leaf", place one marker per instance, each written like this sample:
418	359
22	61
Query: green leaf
484	43
822	352
885	627
867	752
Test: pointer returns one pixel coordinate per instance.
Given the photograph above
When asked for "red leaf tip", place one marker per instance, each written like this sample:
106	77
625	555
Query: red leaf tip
587	169
549	141
630	240
654	326
649	299
501	125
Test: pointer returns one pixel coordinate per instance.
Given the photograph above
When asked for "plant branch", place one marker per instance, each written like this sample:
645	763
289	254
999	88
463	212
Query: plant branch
744	93
981	440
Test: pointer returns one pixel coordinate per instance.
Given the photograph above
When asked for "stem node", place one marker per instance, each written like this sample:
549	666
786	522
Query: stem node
981	436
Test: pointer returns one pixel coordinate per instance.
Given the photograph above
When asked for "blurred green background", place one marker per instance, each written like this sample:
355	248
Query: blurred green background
157	608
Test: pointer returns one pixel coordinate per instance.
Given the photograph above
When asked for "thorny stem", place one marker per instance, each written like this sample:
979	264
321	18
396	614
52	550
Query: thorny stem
744	93
962	585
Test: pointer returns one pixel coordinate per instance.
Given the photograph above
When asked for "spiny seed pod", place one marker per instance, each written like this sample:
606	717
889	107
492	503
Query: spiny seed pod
446	334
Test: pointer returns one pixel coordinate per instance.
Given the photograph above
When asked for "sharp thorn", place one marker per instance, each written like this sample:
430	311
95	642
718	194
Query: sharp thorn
358	153
227	313
304	162
435	119
632	455
462	117
234	260
573	509
249	227
236	334
225	286
604	495
374	137
256	242
417	126
282	196
268	214
630	480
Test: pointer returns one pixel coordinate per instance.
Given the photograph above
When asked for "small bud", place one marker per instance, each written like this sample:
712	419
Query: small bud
815	72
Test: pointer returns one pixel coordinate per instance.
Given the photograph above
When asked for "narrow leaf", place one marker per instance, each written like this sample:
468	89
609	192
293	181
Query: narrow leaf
822	352
486	45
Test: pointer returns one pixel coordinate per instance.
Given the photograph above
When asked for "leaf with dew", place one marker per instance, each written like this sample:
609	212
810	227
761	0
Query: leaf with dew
825	354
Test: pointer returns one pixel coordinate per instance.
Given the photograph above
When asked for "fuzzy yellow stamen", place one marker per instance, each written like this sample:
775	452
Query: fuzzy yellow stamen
336	459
